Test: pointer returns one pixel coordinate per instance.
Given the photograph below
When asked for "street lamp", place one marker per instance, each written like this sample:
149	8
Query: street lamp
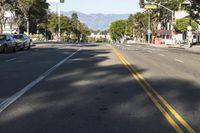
27	25
149	28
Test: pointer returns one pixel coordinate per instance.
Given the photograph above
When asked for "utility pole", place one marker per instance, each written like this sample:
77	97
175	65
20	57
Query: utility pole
46	25
59	36
149	27
27	25
58	13
148	6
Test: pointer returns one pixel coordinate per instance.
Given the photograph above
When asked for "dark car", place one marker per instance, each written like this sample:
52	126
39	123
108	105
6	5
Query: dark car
23	41
7	43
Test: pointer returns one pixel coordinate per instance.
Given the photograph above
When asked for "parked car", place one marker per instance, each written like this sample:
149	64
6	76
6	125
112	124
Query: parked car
7	43
23	41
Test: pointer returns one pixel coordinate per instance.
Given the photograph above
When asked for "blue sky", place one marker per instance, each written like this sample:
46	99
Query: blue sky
100	6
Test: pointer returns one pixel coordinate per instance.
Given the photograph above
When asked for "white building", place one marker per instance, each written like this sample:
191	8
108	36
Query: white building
9	26
169	36
99	35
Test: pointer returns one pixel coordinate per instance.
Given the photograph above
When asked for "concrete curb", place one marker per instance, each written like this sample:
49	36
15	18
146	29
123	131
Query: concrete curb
194	49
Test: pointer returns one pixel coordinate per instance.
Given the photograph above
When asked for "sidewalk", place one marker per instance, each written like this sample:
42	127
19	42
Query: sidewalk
194	48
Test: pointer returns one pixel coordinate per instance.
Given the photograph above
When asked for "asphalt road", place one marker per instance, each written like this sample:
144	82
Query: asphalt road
89	88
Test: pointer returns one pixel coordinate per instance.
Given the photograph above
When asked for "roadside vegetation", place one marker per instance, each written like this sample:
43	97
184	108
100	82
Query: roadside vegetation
42	22
137	24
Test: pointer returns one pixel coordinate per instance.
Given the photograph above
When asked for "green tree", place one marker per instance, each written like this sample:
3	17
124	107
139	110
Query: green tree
65	23
182	24
130	26
35	10
85	32
70	30
76	27
24	6
140	25
118	29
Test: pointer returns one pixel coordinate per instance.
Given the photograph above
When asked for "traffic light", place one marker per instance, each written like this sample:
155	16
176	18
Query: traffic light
141	3
62	1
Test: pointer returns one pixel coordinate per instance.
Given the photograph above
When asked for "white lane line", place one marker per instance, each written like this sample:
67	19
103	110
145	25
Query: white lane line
162	55
6	103
179	60
10	59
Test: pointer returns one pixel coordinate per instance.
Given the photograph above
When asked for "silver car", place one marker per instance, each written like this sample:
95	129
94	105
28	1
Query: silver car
23	41
7	43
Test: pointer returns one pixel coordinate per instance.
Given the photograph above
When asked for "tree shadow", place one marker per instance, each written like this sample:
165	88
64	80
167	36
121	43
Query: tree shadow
94	93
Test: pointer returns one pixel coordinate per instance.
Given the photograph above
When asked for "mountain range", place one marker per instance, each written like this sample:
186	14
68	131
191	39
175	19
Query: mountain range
97	21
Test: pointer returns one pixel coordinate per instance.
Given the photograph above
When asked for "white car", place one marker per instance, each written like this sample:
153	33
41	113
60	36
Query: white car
23	41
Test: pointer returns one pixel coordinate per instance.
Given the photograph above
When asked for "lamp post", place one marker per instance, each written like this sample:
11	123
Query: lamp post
46	24
58	13
149	28
27	25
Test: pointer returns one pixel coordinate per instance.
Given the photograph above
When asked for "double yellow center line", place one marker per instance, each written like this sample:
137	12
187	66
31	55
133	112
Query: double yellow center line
165	108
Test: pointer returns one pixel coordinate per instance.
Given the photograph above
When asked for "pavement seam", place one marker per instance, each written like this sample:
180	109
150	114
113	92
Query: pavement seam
10	59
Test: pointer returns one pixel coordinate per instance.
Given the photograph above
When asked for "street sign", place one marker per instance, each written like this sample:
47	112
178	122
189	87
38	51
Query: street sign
150	6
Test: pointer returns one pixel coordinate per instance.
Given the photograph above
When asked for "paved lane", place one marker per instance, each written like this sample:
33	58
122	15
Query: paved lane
175	76
17	70
90	93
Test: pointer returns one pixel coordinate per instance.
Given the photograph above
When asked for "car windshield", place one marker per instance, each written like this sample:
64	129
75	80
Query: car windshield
20	37
2	37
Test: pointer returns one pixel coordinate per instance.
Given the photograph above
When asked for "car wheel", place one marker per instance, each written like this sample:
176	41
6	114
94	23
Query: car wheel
23	47
29	47
15	48
6	49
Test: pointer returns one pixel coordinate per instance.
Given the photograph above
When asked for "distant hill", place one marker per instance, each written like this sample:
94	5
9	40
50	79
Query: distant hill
97	21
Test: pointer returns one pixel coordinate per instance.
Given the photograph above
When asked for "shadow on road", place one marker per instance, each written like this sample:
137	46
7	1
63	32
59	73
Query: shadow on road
94	93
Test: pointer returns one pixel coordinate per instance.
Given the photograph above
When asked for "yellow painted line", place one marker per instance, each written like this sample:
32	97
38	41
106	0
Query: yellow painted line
170	108
140	78
165	114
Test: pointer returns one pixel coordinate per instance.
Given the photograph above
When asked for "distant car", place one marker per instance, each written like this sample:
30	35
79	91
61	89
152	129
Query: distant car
7	43
23	41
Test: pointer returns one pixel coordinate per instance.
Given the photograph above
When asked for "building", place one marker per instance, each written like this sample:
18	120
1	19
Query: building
9	24
100	36
168	35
